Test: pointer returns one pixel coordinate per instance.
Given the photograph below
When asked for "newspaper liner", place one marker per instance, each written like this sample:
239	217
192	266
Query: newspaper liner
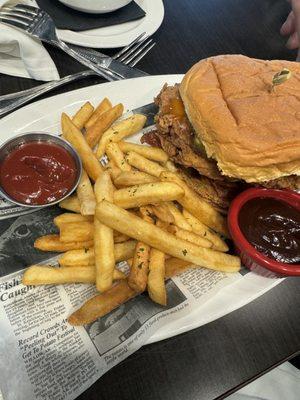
53	360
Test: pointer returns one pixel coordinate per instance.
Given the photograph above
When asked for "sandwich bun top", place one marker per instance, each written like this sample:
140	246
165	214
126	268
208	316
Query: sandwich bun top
252	132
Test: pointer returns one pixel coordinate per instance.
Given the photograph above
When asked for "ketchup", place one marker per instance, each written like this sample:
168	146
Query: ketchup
273	228
38	173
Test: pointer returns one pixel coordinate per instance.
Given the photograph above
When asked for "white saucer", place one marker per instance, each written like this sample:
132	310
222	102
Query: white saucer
122	34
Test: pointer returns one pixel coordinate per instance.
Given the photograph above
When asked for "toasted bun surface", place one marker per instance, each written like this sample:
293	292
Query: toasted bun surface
253	133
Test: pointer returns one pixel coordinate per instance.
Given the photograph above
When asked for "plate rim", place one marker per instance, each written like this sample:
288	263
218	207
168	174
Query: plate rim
32	106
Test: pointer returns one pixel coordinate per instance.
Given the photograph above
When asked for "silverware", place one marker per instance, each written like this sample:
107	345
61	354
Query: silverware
130	56
39	24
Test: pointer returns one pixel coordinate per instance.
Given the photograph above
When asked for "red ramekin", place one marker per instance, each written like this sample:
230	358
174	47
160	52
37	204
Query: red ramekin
250	257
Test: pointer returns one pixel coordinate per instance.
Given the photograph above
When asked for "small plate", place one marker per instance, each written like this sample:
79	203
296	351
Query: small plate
119	35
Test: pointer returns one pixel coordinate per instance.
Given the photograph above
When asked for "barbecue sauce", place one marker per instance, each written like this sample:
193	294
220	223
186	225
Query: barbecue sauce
273	228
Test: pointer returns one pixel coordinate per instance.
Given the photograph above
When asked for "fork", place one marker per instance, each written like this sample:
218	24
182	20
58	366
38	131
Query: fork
129	55
39	24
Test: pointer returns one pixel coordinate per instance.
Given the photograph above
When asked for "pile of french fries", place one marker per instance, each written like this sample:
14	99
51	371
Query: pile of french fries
136	209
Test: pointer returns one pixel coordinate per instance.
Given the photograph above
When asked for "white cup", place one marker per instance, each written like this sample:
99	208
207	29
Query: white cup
95	6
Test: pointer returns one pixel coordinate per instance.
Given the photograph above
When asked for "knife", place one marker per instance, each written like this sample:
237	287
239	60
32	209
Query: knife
149	110
10	210
104	61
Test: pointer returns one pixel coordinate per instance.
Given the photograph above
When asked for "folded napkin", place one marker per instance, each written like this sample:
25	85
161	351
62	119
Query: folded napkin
67	18
22	55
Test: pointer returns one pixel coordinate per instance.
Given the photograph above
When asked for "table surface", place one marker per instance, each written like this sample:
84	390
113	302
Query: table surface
218	358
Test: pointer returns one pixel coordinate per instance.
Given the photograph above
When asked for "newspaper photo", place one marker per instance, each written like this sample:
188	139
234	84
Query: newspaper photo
51	359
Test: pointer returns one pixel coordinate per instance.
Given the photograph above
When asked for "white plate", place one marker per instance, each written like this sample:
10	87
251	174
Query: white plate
44	115
122	34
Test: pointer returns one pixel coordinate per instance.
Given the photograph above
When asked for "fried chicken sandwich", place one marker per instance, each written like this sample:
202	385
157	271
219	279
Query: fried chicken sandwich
226	126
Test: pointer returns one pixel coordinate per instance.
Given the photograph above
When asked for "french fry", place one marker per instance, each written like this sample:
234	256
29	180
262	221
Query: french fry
46	275
66	218
83	115
104	237
119	131
143	164
115	154
75	258
149	193
123	251
139	266
174	266
112	215
170	166
147	213
120	238
138	275
162	212
163	225
117	274
84	230
104	105
200	229
156	278
131	178
190	237
102	304
52	243
86	196
76	232
103	122
152	153
71	203
179	219
73	135
85	233
113	170
193	203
